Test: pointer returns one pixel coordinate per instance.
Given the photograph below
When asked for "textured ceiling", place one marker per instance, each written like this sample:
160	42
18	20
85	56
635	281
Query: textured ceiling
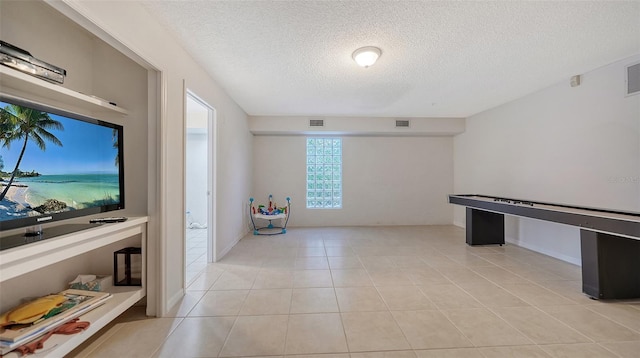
439	59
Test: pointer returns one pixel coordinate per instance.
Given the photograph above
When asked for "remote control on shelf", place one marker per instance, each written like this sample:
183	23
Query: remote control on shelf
108	220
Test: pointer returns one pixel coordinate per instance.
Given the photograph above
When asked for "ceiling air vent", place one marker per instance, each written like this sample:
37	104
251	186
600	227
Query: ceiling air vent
402	123
633	79
316	123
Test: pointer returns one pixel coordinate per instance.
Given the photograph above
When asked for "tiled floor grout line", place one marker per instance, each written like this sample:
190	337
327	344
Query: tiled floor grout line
286	333
340	312
612	320
182	319
440	310
344	330
608	350
226	338
105	338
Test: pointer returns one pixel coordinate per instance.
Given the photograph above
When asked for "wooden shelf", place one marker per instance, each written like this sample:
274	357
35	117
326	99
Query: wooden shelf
12	80
122	298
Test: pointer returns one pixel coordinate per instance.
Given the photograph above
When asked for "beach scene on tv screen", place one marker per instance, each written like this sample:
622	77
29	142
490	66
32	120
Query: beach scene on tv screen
51	163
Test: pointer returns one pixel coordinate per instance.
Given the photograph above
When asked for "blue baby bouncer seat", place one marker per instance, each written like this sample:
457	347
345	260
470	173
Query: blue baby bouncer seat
269	213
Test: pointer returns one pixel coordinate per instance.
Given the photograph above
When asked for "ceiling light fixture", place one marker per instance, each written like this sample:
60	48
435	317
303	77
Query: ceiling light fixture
366	56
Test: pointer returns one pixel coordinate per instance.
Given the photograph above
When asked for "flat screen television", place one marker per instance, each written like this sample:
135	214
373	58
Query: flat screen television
56	165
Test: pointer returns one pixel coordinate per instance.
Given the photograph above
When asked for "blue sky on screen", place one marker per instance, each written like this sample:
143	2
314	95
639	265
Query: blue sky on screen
86	149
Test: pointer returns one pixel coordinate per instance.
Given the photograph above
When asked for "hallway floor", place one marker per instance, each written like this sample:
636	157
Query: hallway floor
196	253
407	292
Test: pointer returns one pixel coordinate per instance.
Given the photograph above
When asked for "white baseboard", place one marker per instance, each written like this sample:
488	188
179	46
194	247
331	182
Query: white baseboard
545	251
226	250
461	224
173	300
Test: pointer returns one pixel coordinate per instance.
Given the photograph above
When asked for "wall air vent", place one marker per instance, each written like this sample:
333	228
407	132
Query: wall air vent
402	123
316	123
633	79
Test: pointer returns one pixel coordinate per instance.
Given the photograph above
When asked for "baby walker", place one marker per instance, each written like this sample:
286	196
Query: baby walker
269	213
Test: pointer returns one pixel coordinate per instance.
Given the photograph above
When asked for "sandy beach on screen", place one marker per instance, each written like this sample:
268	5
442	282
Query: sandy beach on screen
17	194
14	204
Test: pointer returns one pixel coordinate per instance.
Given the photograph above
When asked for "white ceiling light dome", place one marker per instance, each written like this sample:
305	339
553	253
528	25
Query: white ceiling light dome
366	56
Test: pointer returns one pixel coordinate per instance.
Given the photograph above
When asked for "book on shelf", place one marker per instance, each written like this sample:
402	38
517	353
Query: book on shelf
77	303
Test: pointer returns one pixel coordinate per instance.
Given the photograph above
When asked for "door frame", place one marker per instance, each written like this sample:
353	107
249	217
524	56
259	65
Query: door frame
211	173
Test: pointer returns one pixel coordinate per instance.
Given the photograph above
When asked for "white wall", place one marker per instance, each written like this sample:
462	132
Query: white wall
196	163
370	126
196	180
573	145
386	180
132	26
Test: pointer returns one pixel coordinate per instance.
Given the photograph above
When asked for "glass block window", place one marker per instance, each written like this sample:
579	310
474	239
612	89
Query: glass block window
324	173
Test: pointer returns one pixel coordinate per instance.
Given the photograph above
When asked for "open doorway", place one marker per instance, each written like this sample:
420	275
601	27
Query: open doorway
199	186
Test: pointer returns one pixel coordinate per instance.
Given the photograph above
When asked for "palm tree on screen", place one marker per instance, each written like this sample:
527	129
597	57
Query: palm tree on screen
116	145
7	126
21	123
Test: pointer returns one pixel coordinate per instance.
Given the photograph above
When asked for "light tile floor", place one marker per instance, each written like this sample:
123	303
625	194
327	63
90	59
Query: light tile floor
196	242
406	292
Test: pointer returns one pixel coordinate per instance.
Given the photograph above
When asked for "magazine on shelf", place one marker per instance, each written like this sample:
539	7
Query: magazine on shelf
78	302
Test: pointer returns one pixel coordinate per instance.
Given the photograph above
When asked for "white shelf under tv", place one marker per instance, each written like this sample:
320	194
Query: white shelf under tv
14	82
21	260
121	299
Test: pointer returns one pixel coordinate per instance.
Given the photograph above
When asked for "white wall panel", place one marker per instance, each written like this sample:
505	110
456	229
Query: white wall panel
572	145
386	180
